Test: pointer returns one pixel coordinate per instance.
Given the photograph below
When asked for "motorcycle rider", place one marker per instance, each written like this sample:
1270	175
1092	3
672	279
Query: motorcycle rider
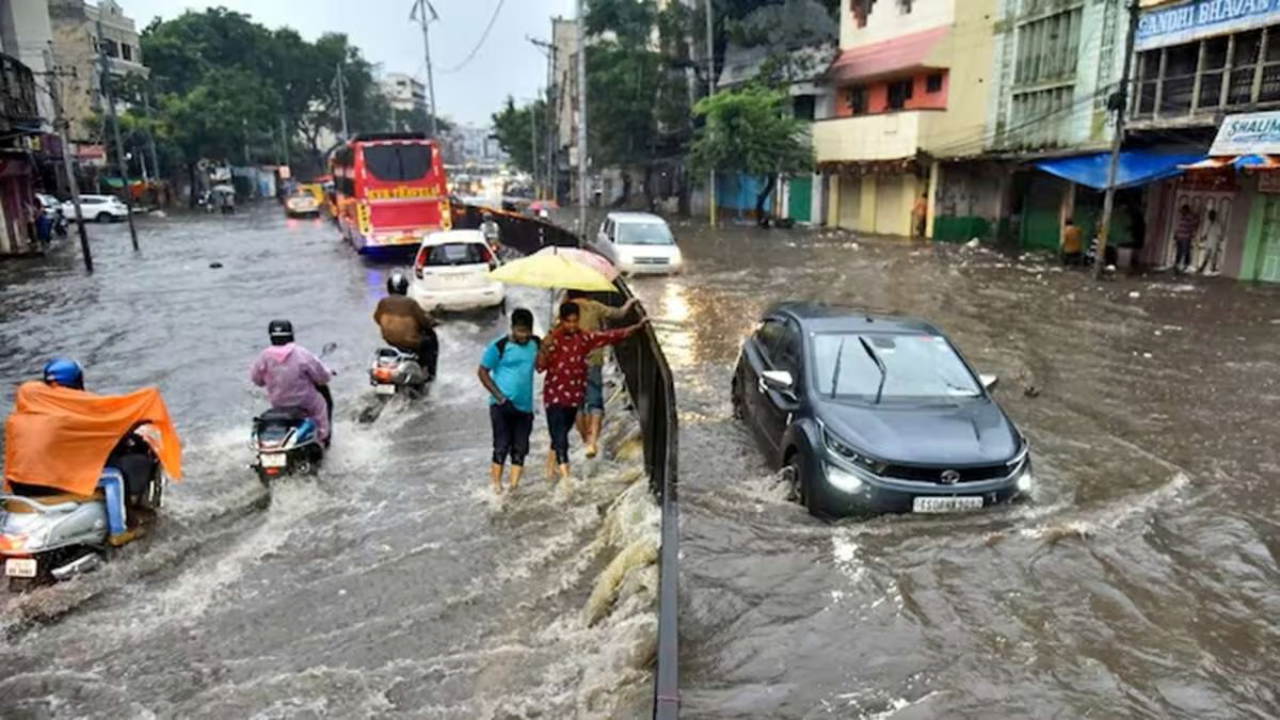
491	231
294	378
64	373
406	326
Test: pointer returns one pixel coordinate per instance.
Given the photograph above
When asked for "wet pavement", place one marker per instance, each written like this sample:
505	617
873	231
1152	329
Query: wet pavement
1141	581
392	585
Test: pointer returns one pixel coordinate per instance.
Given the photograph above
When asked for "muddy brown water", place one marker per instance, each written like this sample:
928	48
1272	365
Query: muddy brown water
1140	582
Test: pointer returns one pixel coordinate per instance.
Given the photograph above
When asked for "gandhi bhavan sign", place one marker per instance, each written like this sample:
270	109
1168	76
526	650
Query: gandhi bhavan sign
1177	24
1248	134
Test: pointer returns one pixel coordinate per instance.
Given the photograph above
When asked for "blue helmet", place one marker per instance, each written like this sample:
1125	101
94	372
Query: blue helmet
64	372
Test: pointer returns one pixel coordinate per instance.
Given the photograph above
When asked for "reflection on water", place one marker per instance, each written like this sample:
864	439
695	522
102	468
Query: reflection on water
1140	582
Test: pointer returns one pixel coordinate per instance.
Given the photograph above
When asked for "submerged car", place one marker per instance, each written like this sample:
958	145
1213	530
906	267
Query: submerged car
639	243
867	415
302	203
451	272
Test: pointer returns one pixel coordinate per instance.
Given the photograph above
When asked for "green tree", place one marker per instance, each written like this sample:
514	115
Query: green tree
747	131
515	127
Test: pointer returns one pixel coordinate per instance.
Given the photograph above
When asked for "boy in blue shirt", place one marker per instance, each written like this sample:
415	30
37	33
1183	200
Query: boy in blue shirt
506	371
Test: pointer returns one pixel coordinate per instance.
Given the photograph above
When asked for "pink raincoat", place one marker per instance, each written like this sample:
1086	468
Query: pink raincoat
290	374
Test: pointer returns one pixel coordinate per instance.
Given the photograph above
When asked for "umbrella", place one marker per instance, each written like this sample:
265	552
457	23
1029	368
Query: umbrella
552	270
537	205
595	261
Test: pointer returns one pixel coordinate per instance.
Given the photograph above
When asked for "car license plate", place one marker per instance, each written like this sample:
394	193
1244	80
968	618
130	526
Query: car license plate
385	389
20	567
273	460
947	504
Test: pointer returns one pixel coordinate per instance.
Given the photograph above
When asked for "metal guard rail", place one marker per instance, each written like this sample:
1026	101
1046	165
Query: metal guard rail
652	388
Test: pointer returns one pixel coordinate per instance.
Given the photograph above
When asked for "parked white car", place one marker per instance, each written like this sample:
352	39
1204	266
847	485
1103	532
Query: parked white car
639	243
452	272
99	208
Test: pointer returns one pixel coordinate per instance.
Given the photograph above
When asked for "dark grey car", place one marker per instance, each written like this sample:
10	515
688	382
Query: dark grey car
873	414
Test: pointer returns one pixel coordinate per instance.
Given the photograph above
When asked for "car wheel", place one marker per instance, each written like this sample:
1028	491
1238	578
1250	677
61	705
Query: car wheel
793	476
739	403
104	217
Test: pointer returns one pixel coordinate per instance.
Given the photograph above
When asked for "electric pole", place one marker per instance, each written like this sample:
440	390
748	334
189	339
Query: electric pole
284	140
711	90
1119	103
420	10
533	143
549	124
115	124
583	180
60	123
342	99
151	136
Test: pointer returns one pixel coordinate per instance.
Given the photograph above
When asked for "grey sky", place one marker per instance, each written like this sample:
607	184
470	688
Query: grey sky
506	65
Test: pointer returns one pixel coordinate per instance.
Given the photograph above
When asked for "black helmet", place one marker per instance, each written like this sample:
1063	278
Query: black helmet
398	284
281	332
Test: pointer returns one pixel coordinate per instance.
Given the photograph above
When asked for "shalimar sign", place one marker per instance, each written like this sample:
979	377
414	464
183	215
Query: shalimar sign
1176	24
1248	134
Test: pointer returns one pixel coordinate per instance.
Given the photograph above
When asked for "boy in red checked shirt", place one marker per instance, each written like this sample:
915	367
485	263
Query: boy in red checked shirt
563	357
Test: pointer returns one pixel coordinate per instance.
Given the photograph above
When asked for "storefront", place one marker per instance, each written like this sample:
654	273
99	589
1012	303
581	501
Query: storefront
17	203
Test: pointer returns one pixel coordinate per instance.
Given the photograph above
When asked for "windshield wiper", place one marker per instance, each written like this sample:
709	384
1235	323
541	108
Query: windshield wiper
884	373
835	376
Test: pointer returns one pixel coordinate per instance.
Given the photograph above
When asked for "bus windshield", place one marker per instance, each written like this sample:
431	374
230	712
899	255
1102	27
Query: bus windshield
398	162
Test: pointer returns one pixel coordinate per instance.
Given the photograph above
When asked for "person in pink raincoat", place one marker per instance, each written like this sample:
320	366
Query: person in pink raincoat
294	377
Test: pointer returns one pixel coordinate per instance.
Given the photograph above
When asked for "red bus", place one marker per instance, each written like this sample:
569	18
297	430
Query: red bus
390	190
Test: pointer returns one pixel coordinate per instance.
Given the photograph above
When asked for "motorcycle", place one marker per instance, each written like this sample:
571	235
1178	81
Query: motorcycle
47	535
394	372
286	442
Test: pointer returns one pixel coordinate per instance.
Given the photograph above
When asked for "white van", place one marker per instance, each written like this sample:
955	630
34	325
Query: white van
452	272
639	243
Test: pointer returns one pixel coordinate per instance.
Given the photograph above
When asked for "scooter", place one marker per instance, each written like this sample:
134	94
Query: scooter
394	372
285	442
48	536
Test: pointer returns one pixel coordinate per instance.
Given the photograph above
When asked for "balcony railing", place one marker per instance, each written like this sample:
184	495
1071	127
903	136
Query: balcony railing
17	92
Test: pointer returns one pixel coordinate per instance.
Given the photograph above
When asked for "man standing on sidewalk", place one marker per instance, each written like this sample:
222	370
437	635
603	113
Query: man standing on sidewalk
1211	243
592	317
563	358
506	371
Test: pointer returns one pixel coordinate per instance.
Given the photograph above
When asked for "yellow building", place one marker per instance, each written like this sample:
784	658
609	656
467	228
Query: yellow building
910	89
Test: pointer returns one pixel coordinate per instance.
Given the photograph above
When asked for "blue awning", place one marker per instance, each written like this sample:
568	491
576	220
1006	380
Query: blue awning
1137	167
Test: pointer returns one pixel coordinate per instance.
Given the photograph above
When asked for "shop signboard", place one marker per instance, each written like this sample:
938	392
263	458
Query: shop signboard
1248	134
1181	23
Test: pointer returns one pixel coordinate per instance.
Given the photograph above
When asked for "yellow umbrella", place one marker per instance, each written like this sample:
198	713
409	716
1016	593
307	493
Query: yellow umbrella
549	270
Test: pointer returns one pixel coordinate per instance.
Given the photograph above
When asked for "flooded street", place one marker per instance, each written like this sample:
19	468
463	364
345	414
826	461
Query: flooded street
392	585
1140	582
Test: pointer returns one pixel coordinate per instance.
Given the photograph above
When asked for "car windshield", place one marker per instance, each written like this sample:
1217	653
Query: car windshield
452	254
916	367
649	233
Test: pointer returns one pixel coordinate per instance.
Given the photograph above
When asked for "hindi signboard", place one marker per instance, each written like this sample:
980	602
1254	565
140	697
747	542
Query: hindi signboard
1176	24
1248	134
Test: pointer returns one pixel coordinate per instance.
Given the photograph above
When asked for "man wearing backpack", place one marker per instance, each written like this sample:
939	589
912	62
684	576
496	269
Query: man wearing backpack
506	371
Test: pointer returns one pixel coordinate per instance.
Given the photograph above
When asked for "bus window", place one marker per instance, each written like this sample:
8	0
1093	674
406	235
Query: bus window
397	163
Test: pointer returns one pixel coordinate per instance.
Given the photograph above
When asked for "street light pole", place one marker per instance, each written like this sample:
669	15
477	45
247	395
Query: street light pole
582	121
420	10
60	122
533	143
711	90
115	123
342	100
1119	103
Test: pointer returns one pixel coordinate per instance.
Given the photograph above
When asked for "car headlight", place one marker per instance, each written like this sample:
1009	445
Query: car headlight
1026	480
843	451
842	479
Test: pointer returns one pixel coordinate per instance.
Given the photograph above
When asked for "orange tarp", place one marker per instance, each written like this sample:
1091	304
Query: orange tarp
61	438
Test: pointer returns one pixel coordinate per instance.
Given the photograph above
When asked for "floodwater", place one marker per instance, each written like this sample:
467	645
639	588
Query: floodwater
392	585
1140	582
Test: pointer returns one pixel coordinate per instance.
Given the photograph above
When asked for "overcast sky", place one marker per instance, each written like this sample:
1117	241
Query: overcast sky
506	65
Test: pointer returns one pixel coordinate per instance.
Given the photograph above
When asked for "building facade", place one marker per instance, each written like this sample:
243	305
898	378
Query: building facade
909	88
75	28
564	41
19	120
404	92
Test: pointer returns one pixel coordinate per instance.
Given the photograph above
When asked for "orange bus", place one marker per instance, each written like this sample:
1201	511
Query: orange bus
390	191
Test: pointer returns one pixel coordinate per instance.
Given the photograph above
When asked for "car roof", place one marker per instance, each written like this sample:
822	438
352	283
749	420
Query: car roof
635	217
454	236
820	317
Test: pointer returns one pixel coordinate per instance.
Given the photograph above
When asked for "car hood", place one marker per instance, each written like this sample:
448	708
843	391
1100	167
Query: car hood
973	432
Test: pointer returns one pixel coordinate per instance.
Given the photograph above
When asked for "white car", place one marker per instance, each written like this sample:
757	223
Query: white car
452	272
100	208
639	243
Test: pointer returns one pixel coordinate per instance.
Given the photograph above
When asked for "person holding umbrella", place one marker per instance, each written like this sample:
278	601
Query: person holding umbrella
564	359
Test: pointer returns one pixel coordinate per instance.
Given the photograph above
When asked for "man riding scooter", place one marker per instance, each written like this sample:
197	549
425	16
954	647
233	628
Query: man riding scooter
294	378
406	326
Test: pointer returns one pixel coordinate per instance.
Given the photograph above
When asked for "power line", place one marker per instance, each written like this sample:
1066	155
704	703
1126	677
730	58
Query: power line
483	37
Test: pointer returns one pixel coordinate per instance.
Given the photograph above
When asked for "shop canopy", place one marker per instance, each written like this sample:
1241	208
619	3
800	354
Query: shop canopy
1137	167
1239	162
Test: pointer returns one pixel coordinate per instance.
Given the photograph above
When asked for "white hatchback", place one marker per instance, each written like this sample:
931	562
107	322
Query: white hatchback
639	243
451	272
101	208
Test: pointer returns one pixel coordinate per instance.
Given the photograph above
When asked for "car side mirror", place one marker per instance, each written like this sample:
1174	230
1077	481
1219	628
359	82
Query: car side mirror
778	379
989	382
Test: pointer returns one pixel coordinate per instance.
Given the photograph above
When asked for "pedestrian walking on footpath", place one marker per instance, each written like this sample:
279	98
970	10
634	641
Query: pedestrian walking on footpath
1211	237
1184	233
1072	244
506	371
920	216
563	357
592	317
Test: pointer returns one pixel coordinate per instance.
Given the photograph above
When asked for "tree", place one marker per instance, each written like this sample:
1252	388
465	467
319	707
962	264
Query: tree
746	131
514	127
